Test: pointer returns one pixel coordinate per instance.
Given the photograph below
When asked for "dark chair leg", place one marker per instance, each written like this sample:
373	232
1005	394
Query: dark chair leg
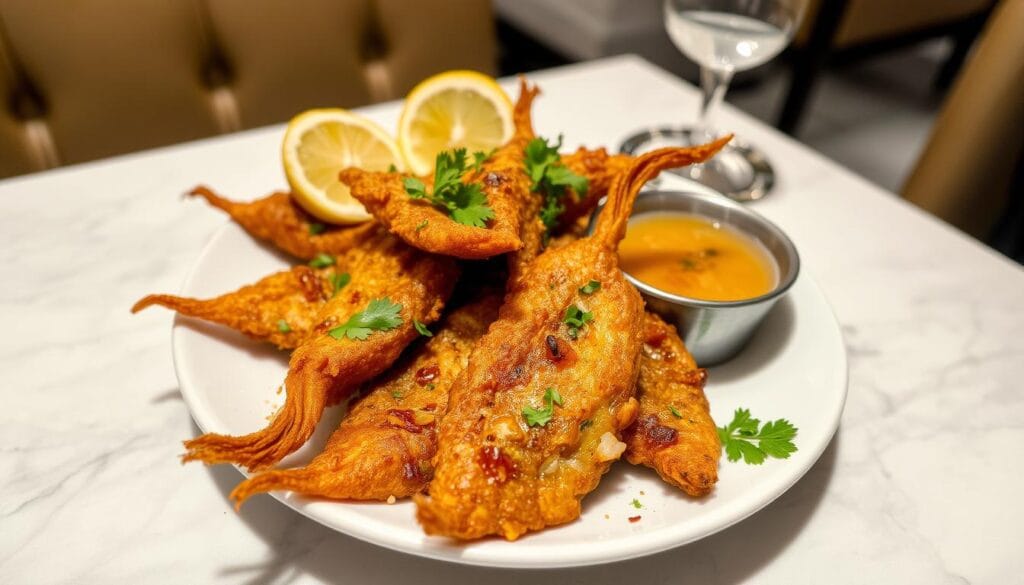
808	61
963	40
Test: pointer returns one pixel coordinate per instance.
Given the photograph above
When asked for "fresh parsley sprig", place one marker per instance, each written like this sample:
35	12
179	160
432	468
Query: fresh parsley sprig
551	178
576	318
774	439
421	329
322	260
464	202
339	280
379	315
538	417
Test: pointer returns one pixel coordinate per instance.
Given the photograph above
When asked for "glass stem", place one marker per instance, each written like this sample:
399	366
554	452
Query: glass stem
713	84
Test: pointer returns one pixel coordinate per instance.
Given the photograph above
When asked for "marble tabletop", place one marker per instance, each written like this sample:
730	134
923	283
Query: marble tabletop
920	484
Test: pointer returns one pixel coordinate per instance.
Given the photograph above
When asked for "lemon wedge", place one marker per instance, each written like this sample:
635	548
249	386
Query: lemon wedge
453	110
318	144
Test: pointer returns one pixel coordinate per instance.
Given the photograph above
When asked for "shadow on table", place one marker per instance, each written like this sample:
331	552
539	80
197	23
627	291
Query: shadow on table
302	548
768	341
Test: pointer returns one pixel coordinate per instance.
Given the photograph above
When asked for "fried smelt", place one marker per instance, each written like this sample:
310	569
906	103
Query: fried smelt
323	369
599	168
277	219
536	418
384	446
674	433
279	308
503	181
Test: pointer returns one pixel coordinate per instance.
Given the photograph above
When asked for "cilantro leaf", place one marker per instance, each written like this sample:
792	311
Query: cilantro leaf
379	315
674	411
321	260
415	187
551	178
479	158
576	319
421	329
636	504
471	206
590	288
538	417
422	225
283	326
774	439
339	281
315	229
464	202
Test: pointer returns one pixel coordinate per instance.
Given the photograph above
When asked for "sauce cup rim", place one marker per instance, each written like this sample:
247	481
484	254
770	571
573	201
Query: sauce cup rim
717	200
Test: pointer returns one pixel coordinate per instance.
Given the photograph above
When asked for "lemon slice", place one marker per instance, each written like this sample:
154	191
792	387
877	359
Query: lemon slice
452	110
318	144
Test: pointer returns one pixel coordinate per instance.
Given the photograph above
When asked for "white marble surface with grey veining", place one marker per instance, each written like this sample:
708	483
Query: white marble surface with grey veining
920	485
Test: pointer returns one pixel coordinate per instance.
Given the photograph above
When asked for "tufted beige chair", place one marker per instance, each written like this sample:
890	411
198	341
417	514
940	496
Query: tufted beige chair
85	79
965	173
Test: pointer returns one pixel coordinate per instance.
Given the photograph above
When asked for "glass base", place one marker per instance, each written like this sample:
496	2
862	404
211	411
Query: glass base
740	171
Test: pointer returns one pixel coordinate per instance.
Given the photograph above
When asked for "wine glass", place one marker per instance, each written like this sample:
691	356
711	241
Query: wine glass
723	37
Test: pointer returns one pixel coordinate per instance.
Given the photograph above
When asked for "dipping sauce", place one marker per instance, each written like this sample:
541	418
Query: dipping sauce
694	257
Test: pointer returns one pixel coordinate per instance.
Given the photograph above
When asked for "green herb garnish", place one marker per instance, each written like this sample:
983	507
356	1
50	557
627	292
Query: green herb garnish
339	281
392	168
551	178
774	439
576	318
379	315
422	225
674	411
479	158
590	288
321	260
283	326
465	202
421	329
315	229
396	394
538	417
636	504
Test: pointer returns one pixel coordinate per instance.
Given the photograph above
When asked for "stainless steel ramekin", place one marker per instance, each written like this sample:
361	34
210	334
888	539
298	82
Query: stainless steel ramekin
715	331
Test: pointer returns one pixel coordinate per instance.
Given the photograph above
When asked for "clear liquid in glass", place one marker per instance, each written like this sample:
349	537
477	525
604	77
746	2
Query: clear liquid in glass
723	40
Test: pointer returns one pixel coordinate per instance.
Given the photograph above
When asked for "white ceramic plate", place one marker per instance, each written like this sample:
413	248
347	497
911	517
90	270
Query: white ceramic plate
795	368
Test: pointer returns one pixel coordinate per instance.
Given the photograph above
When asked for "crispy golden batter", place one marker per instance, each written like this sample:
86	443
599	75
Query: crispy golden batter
258	310
674	433
322	369
279	220
384	445
494	474
600	168
504	183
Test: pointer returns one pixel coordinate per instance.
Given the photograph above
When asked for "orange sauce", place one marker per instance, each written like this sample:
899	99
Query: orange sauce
694	257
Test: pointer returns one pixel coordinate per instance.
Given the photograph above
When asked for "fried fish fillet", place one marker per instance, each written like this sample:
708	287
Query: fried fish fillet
384	445
279	308
536	417
674	433
323	369
277	219
504	183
